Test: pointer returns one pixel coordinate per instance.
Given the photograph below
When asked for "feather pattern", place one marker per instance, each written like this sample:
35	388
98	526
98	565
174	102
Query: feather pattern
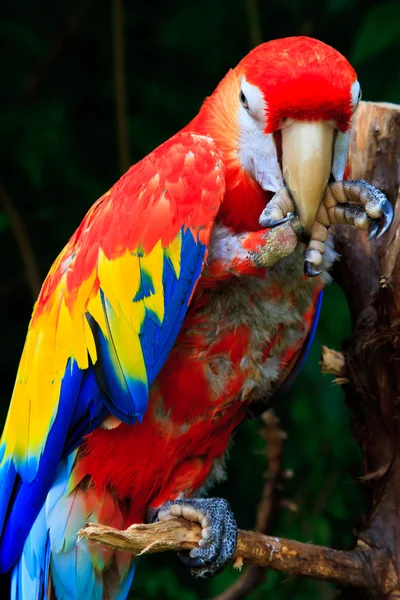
105	321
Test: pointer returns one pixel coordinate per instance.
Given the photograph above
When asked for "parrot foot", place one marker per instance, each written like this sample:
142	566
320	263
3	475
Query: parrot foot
279	243
219	533
354	203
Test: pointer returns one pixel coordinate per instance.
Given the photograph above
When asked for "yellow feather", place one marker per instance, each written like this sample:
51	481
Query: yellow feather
95	309
173	252
153	265
90	343
105	275
62	332
126	275
126	278
130	352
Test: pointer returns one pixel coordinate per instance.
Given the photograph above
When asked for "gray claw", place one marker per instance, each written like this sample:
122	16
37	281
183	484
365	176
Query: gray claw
270	224
388	214
188	561
373	229
309	269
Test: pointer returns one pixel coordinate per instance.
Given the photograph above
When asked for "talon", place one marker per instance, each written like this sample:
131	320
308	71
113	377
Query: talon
373	229
188	561
309	269
388	214
270	224
356	203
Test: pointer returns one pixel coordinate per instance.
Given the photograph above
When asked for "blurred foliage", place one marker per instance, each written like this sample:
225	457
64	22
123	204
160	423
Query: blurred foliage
59	153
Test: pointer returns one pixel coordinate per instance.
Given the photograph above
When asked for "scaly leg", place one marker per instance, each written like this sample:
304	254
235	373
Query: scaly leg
233	255
218	532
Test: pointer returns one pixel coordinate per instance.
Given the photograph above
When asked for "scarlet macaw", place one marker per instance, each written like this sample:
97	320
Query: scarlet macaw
168	312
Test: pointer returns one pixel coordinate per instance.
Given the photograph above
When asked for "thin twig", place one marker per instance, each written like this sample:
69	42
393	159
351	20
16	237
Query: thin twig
248	581
254	22
120	86
69	30
268	507
22	239
272	493
353	568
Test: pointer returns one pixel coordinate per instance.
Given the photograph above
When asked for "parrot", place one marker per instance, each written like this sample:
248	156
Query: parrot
188	294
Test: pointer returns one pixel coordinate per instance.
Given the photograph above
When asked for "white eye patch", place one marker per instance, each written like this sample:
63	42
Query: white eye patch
355	94
254	99
341	149
257	150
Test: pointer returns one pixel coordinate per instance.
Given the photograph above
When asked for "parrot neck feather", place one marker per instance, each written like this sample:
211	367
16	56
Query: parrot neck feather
244	199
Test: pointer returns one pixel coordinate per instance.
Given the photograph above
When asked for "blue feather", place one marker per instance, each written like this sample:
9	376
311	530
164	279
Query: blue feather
126	583
89	411
146	286
29	577
73	575
125	396
30	496
179	295
35	535
8	477
289	381
113	382
51	547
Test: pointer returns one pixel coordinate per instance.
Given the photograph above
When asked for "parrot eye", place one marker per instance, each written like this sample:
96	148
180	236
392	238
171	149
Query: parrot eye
243	100
355	95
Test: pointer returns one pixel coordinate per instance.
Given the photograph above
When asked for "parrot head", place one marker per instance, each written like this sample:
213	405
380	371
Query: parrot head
282	117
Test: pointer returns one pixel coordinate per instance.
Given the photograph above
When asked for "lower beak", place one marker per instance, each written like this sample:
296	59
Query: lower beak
306	163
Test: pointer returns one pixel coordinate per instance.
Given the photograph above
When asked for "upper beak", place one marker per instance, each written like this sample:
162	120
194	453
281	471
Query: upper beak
307	148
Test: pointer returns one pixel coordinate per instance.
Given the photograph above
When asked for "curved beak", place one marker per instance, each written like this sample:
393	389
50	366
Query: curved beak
307	148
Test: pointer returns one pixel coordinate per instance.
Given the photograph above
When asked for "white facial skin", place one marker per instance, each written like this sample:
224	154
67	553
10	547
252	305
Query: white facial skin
343	139
257	150
355	94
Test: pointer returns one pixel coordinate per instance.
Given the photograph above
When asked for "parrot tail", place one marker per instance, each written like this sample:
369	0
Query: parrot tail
54	565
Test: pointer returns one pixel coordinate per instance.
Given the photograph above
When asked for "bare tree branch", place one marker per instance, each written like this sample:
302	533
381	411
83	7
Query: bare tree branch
120	86
69	30
22	239
254	22
348	568
274	479
269	505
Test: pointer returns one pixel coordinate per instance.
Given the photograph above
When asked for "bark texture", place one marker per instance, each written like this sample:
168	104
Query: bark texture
294	558
369	274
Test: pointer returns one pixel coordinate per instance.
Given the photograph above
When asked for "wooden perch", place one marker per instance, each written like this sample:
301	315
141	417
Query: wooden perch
369	273
253	548
333	363
268	507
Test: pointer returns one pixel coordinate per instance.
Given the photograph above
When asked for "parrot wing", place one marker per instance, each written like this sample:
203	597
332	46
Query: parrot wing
107	316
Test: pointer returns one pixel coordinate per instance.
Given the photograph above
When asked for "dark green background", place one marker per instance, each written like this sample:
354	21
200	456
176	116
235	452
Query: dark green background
59	152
